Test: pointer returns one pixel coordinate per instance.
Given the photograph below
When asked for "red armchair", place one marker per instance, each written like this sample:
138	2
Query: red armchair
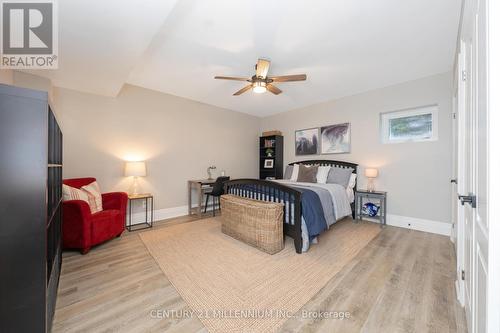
81	229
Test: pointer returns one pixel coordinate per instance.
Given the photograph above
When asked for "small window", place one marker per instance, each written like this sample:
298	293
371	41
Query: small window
412	125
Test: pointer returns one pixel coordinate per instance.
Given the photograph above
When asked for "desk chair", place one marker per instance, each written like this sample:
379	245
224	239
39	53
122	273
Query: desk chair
217	191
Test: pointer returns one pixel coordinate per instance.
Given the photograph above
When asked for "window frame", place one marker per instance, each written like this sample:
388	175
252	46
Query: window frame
385	118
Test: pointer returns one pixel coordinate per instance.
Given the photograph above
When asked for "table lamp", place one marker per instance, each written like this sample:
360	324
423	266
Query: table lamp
371	174
135	169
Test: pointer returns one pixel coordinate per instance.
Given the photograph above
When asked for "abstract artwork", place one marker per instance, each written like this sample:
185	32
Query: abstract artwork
336	139
306	141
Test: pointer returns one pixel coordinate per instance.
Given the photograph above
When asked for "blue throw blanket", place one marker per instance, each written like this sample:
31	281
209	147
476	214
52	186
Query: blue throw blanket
312	212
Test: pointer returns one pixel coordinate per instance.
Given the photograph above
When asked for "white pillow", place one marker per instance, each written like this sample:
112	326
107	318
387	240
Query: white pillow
90	194
322	174
95	199
352	181
295	173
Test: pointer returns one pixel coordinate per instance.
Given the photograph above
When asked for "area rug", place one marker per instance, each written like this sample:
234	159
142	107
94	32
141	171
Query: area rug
233	287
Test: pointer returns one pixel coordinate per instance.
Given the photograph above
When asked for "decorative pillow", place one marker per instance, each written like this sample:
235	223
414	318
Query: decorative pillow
295	173
352	181
72	193
322	174
339	176
307	174
95	198
288	172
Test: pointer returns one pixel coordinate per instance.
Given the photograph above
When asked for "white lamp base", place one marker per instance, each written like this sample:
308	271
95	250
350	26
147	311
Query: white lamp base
371	185
135	186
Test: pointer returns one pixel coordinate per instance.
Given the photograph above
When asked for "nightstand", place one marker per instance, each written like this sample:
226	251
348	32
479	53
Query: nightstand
363	196
148	223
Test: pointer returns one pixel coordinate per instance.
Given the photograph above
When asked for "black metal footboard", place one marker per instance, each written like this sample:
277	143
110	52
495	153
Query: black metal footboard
273	192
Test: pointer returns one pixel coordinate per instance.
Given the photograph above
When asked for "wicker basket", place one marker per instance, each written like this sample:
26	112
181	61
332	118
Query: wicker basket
257	223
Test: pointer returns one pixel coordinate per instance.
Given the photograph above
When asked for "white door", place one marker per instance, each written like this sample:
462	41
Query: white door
472	166
465	230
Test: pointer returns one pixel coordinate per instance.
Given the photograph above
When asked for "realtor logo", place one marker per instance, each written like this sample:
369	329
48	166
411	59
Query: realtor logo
29	34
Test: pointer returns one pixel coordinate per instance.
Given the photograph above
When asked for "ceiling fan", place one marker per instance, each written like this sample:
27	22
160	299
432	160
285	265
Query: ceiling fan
260	82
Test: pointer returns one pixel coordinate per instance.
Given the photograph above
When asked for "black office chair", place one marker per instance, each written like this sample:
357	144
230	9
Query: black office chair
217	191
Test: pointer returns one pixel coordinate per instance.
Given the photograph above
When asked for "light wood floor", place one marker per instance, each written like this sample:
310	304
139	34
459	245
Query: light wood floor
402	281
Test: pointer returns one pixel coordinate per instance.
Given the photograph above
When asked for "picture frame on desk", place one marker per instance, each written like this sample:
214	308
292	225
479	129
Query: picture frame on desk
268	164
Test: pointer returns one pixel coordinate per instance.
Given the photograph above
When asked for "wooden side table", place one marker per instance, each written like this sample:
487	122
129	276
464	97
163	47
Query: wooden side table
148	223
380	196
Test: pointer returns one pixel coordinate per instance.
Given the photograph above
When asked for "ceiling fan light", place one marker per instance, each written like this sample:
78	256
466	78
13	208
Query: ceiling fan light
259	87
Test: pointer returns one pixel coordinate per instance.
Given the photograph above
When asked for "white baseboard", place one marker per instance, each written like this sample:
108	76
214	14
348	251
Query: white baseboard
435	227
163	214
168	213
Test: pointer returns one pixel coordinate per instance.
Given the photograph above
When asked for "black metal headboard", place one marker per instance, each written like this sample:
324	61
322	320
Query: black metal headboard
340	164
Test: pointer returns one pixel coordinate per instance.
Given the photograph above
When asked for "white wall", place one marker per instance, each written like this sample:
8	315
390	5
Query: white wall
416	175
178	138
6	76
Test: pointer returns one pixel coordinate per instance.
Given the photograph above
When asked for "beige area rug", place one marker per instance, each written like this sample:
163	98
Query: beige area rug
233	287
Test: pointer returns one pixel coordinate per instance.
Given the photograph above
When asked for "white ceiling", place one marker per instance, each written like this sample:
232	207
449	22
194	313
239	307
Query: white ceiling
101	41
344	47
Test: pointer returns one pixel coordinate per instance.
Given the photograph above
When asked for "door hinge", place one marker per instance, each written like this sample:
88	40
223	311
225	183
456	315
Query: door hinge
463	275
464	75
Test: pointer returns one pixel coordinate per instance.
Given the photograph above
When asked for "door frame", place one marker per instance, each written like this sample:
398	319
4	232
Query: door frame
493	164
493	40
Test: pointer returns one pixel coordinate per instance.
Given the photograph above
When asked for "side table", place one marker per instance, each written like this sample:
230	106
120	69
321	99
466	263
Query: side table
380	196
148	223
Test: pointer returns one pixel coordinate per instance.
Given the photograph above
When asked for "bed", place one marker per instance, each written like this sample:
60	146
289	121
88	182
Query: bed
305	215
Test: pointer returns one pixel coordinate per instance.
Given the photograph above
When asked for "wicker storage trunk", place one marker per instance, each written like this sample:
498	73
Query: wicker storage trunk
257	223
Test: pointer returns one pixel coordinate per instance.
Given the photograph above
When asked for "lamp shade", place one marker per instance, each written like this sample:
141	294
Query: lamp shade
136	169
371	173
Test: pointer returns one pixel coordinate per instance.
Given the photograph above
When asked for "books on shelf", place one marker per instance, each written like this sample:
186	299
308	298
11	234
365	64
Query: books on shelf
269	143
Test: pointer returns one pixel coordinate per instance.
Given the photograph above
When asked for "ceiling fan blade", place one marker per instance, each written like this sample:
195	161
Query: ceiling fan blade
231	78
242	90
262	68
288	78
275	90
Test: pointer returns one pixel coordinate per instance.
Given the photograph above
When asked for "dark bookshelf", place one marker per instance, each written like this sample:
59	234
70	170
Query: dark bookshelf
271	148
30	210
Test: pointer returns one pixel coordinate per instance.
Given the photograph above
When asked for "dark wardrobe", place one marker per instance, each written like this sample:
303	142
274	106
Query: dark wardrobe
30	210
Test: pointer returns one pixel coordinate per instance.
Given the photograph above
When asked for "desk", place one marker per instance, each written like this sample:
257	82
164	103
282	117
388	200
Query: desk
197	185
